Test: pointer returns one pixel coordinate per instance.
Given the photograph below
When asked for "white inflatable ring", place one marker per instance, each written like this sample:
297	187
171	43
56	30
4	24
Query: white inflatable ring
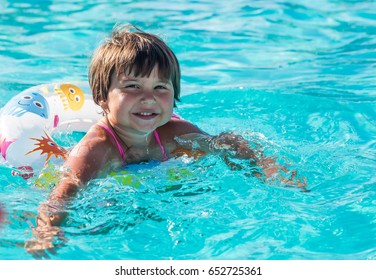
29	119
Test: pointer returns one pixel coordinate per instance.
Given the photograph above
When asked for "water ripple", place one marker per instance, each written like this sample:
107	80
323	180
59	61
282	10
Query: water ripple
296	76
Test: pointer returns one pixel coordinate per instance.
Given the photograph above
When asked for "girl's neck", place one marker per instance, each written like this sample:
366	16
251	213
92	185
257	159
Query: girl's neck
132	138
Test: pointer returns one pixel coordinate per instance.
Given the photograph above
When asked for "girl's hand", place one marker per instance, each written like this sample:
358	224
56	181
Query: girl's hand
236	146
293	181
273	172
47	238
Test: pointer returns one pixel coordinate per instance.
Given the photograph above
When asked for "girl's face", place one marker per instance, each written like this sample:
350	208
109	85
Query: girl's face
139	104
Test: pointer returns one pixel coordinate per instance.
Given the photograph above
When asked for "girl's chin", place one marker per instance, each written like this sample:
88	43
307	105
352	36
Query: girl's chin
146	128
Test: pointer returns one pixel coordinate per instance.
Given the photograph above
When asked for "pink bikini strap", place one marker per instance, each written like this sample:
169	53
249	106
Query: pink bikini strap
165	157
174	116
121	151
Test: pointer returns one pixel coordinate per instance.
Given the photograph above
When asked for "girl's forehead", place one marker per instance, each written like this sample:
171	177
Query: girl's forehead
155	73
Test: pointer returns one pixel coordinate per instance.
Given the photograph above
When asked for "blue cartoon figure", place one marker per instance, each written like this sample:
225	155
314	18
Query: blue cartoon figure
27	102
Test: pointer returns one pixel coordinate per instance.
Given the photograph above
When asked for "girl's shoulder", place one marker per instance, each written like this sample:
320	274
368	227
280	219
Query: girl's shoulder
97	136
179	126
176	127
97	143
92	156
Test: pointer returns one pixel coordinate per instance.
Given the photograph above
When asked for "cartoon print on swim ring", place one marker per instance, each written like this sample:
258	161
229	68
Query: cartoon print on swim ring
72	96
32	102
48	146
29	120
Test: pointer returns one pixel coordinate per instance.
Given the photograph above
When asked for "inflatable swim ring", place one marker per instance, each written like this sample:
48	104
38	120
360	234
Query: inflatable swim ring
29	119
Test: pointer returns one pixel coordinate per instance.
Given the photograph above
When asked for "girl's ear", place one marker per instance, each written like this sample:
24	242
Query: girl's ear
104	106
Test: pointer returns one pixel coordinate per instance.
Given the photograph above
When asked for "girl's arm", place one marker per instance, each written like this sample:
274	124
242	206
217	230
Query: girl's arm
87	159
230	145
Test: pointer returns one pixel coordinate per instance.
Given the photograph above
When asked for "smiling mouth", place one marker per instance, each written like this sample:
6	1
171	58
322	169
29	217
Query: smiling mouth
146	115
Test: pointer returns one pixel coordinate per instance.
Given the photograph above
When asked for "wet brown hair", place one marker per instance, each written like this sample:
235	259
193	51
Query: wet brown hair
130	50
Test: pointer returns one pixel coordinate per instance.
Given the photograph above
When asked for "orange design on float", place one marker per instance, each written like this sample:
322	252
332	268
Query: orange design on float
49	147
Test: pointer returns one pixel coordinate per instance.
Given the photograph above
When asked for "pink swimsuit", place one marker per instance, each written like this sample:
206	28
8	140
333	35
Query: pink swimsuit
121	151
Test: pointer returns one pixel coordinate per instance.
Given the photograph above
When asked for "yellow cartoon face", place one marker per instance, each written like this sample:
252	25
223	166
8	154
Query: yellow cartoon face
72	96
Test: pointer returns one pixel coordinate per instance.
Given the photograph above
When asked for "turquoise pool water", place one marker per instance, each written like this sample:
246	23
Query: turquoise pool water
297	77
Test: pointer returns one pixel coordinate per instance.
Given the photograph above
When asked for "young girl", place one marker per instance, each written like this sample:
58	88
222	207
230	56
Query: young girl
135	78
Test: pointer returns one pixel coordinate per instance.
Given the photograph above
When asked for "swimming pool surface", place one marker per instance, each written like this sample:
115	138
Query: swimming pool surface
296	77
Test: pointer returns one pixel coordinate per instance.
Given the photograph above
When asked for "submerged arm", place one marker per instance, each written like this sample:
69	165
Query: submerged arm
230	145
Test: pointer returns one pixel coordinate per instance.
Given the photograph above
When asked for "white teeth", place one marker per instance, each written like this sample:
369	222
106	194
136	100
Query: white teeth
145	114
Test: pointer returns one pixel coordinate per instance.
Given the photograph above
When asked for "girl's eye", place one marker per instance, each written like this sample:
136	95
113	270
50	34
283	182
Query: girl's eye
131	86
160	87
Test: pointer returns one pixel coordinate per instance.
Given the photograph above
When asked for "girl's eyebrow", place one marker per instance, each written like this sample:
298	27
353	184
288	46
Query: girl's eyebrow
165	81
124	78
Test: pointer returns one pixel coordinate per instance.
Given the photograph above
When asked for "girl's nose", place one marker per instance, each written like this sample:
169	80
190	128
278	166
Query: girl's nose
147	97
